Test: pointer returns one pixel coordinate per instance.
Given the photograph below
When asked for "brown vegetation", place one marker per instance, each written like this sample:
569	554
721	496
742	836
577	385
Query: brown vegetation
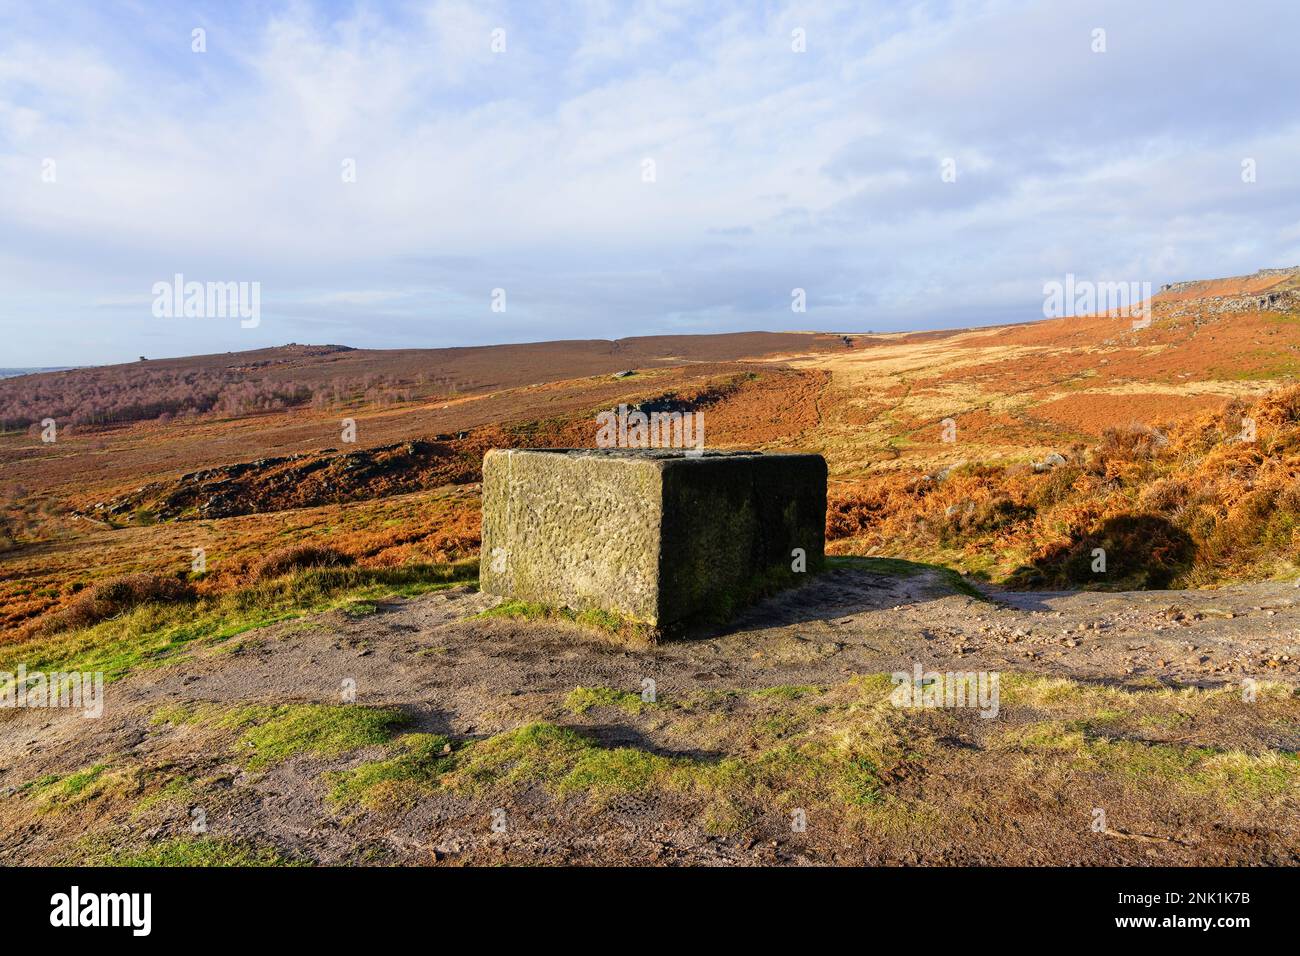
1198	503
243	479
334	377
297	557
112	597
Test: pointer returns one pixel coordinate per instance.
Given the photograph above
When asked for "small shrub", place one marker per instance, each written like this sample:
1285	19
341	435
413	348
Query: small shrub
1056	486
295	558
1289	499
983	517
1131	444
849	517
112	597
1165	496
1142	551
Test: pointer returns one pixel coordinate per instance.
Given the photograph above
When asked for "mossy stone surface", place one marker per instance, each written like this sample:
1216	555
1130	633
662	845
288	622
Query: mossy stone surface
656	536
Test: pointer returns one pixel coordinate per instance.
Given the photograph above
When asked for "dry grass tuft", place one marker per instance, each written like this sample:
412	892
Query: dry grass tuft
298	557
115	596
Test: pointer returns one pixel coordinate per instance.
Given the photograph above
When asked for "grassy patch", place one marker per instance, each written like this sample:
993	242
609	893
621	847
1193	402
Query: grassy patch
73	785
272	734
59	791
583	699
605	622
560	760
358	609
786	692
1230	776
536	754
600	772
140	786
187	852
415	766
1156	740
859	781
176	790
56	793
844	755
152	634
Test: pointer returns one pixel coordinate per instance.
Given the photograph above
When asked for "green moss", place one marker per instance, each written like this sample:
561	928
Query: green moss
523	610
199	853
726	604
415	766
786	692
272	734
582	699
611	623
536	753
603	772
606	622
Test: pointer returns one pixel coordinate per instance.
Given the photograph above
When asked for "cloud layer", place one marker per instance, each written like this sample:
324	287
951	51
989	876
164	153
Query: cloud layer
525	169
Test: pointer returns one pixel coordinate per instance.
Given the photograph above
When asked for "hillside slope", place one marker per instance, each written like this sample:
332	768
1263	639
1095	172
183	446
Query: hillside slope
1201	502
114	495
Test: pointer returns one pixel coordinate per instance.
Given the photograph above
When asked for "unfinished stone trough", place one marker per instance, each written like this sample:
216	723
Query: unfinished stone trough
656	536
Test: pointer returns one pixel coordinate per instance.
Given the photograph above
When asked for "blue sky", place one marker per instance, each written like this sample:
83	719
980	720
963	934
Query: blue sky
523	170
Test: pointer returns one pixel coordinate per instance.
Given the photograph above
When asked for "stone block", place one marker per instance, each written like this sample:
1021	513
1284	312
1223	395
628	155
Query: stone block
661	537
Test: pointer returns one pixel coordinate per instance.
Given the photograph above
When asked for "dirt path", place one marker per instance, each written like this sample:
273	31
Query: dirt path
470	678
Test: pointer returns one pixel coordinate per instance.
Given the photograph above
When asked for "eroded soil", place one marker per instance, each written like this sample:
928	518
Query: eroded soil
787	673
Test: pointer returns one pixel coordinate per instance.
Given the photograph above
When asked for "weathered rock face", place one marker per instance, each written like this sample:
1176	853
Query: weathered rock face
657	536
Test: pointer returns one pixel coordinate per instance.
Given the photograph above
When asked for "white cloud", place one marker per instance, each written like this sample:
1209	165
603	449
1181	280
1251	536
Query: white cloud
522	170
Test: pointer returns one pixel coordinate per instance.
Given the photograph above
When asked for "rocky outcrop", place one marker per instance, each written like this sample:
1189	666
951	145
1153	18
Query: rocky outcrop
1221	296
297	481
